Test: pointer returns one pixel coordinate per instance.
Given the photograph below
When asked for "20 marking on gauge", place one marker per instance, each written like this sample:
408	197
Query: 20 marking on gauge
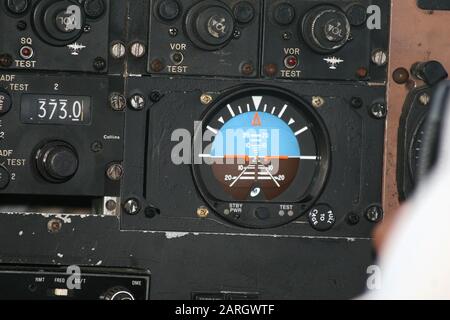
257	166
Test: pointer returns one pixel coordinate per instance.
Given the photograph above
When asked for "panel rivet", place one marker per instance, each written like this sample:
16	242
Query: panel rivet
114	172
202	212
137	49
317	102
206	99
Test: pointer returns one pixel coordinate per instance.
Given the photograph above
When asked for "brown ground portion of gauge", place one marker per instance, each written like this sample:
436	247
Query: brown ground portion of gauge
256	174
416	35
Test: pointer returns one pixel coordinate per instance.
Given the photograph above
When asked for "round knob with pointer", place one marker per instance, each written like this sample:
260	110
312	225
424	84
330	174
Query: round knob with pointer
210	25
57	161
326	29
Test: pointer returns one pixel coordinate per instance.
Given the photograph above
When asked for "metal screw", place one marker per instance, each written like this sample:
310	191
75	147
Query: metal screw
206	99
155	96
287	35
21	25
137	102
237	33
374	214
379	57
6	60
111	205
137	49
202	212
356	102
247	69
114	172
132	206
96	146
99	64
362	72
151	212
117	101
425	99
117	50
378	110
173	32
400	75
54	225
87	28
270	69
317	101
157	65
353	219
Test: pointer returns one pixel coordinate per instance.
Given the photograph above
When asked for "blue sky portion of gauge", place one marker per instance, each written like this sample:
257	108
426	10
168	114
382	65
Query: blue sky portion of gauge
256	134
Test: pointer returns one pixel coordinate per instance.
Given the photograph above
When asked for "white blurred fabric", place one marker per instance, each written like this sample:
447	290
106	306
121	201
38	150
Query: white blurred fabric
415	260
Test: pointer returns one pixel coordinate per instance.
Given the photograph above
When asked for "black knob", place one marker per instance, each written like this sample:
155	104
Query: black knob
326	29
284	14
117	293
17	6
94	9
5	102
4	178
431	72
357	15
322	217
58	23
57	162
168	10
210	24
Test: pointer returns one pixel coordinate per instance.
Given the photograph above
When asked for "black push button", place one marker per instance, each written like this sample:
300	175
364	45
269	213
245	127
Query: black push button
244	12
168	10
94	9
17	6
284	14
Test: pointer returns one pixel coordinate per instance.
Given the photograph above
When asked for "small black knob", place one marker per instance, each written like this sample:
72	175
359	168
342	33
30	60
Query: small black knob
322	217
244	12
326	29
94	9
284	14
57	162
4	178
357	15
5	102
17	6
168	10
431	72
